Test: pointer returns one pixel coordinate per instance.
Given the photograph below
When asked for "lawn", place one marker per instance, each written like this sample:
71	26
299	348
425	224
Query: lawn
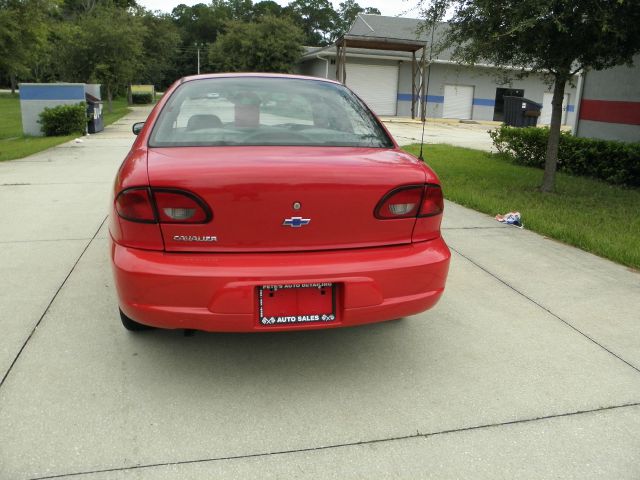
13	144
589	214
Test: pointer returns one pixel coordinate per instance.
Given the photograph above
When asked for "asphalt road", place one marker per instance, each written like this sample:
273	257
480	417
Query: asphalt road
529	367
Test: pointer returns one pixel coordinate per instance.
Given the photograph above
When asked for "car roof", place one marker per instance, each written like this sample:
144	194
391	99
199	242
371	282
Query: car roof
254	74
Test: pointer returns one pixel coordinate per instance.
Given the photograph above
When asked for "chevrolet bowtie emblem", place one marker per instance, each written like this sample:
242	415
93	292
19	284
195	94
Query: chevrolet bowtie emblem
296	222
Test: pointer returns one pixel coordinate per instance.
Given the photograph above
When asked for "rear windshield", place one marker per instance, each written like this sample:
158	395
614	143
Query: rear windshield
265	111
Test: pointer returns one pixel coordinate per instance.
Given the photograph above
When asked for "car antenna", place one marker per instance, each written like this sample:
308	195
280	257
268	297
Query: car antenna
426	90
421	157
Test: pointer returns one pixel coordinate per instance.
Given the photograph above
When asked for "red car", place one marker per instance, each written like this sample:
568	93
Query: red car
260	202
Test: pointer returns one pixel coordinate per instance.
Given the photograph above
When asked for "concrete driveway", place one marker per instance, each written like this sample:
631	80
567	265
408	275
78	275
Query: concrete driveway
528	368
468	135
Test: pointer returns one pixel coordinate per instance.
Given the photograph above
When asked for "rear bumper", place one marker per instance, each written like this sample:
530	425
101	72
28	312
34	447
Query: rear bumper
218	292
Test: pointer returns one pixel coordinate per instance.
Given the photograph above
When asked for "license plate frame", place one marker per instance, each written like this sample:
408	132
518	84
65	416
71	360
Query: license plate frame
309	294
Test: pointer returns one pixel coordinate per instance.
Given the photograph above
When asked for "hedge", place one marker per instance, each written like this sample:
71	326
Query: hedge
64	120
617	163
141	98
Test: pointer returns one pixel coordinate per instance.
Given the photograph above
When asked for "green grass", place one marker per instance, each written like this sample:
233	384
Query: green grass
13	144
589	214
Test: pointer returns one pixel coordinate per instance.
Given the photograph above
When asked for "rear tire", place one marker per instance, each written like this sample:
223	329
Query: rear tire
132	325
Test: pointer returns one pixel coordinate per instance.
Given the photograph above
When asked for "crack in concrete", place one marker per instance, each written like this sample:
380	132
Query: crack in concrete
55	295
539	305
472	228
41	240
344	445
53	183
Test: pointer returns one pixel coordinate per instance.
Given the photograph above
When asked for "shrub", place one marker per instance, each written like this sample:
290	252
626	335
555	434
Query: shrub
614	162
64	120
141	98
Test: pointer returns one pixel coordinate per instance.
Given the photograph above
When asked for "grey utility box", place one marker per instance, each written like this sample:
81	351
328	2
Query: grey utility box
35	97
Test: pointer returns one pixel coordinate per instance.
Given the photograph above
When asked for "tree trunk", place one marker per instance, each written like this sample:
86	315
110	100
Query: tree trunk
109	98
551	162
129	95
14	83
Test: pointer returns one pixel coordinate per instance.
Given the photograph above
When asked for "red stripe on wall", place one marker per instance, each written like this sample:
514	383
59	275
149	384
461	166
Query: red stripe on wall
611	112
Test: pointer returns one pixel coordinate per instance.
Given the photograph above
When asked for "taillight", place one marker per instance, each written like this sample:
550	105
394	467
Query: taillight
432	202
403	202
180	207
410	202
135	205
148	205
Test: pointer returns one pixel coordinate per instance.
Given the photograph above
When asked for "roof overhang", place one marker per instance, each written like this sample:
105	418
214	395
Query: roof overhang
381	43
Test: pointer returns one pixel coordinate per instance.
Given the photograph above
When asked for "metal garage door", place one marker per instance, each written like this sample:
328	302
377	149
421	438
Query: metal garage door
458	102
377	85
545	115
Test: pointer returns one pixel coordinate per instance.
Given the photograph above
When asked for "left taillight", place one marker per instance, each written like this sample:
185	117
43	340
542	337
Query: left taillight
176	206
142	210
149	205
134	204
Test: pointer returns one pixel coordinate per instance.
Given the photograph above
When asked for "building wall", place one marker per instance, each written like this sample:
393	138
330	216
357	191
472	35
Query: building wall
610	107
484	80
317	68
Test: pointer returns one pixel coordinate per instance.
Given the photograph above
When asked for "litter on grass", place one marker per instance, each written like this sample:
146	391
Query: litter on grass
511	218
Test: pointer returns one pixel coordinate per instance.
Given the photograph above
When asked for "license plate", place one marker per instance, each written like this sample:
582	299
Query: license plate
298	303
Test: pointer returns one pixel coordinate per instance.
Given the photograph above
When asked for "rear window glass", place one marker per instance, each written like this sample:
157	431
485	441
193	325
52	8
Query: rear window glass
265	111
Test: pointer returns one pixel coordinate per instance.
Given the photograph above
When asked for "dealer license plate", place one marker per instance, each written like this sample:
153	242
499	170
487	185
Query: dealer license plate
298	303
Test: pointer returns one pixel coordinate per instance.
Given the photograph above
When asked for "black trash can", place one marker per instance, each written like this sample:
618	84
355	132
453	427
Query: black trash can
94	114
521	112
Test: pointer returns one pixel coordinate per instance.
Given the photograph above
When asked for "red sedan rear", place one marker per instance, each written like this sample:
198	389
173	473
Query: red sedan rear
259	202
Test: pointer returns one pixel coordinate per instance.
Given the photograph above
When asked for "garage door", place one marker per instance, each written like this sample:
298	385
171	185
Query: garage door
377	85
545	114
458	102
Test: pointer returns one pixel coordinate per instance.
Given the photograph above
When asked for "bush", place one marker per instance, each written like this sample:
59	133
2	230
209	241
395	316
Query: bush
614	162
141	98
64	120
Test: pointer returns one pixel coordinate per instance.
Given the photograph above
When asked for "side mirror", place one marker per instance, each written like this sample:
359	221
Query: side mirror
137	127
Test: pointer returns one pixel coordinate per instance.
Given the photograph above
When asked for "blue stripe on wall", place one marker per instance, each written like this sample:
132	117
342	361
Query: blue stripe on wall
406	97
484	102
481	102
52	92
571	108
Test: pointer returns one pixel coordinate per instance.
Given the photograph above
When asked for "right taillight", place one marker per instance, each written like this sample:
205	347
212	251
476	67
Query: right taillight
411	201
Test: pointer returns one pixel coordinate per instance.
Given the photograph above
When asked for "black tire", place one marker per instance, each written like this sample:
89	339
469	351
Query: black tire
131	325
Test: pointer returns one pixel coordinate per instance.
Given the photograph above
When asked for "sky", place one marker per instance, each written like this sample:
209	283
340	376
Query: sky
403	8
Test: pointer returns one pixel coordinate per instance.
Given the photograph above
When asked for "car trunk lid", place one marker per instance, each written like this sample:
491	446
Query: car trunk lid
285	198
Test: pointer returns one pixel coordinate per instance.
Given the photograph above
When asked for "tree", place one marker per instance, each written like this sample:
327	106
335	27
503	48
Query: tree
317	18
105	46
160	49
198	25
73	8
557	38
266	7
269	45
23	34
